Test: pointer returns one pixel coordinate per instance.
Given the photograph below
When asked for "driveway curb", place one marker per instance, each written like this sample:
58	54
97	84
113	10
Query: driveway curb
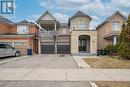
12	59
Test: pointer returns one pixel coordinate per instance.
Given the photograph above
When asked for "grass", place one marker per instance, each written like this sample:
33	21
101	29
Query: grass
108	63
112	84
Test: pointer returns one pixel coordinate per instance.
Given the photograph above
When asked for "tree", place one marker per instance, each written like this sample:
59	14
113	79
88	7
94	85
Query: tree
128	29
124	44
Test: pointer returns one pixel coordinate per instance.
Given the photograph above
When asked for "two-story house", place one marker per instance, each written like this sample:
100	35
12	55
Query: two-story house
19	35
72	37
108	32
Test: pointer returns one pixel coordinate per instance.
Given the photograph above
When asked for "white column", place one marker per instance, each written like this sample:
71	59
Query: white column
55	41
114	40
39	46
55	26
39	42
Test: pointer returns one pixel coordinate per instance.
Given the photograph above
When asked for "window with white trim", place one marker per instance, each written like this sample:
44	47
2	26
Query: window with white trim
22	29
116	26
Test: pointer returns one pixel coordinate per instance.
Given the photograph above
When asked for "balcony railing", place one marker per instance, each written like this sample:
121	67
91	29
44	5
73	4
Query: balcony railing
47	33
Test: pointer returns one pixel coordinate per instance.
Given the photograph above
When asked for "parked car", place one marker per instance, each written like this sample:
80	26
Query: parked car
7	50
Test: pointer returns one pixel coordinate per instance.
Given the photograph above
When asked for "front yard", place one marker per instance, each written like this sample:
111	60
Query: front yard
108	63
112	84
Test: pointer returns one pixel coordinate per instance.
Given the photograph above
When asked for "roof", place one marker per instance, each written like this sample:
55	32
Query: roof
46	12
107	20
25	22
5	20
110	35
80	14
63	24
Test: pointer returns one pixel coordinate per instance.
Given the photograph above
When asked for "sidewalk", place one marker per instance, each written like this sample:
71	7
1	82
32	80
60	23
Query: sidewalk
66	74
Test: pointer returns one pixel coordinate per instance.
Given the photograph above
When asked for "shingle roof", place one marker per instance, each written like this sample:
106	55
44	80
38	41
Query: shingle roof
117	12
5	20
63	24
80	14
25	22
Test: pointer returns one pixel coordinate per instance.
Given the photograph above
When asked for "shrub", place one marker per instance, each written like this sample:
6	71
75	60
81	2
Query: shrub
112	48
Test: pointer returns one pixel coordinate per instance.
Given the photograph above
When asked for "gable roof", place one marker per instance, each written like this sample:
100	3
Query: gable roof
63	24
25	22
107	20
80	14
5	20
46	12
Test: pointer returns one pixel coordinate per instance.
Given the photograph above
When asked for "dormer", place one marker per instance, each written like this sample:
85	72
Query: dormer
80	21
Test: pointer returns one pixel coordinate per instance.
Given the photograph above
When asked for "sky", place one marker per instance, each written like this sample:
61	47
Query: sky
62	10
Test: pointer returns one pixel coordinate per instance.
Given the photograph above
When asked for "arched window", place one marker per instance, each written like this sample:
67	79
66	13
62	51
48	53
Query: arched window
116	26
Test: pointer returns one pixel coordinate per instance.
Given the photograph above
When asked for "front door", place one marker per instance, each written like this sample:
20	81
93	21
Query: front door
82	45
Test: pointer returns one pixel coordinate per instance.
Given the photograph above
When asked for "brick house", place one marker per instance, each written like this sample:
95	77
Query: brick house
19	35
108	32
51	37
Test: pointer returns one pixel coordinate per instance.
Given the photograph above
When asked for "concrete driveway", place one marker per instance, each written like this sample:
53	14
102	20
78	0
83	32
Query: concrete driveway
14	72
42	61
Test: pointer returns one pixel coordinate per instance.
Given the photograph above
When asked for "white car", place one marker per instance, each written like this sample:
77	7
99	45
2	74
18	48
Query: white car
7	50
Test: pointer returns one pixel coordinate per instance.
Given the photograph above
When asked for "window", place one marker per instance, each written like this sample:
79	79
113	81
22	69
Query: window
22	29
20	43
82	25
64	31
116	26
82	42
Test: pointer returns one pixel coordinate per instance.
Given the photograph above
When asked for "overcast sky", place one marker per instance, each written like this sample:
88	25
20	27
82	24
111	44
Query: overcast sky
99	10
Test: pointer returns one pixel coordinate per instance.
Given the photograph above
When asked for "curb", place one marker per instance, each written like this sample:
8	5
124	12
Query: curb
13	59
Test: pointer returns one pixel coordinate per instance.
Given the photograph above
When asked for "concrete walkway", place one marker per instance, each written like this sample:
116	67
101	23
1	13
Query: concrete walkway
65	74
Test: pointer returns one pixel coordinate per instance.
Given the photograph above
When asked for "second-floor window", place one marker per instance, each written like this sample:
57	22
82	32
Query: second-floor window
64	31
116	26
82	25
22	29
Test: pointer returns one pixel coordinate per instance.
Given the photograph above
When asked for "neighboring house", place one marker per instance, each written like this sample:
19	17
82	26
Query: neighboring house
19	35
74	37
108	32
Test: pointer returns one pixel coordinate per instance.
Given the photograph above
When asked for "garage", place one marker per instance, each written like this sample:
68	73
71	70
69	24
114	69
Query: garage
47	48
63	49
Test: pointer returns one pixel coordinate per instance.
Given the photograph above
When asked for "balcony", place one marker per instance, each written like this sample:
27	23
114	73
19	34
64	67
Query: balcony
47	33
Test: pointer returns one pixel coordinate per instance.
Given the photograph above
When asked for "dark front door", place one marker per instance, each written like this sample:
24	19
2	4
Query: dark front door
63	49
82	45
47	49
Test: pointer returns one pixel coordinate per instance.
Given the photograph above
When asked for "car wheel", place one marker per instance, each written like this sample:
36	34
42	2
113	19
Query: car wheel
17	54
